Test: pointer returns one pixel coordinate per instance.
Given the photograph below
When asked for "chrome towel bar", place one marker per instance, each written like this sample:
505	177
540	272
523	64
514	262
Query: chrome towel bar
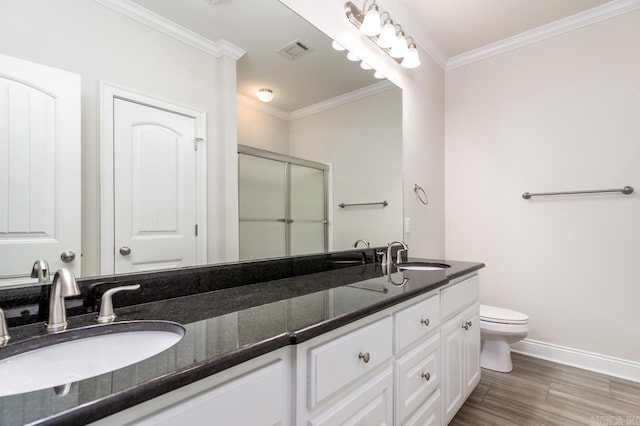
382	203
626	191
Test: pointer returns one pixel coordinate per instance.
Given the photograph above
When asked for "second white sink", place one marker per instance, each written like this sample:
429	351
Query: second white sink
82	353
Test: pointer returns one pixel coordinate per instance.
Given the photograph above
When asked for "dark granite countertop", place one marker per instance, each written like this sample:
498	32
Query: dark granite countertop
224	327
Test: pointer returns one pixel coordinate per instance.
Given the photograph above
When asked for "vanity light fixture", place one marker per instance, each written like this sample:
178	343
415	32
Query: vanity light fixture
387	34
352	57
393	42
371	22
399	48
265	95
379	75
365	66
411	59
337	46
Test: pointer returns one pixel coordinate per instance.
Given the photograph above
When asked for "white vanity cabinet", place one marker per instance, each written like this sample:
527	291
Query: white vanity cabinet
257	392
410	364
460	334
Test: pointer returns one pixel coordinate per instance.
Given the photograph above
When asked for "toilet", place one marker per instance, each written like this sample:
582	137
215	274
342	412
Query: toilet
500	327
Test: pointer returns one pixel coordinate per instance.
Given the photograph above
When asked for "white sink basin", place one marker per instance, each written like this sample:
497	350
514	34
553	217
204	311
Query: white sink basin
82	353
421	266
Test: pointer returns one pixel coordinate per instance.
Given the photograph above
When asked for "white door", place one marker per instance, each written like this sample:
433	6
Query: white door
39	168
155	172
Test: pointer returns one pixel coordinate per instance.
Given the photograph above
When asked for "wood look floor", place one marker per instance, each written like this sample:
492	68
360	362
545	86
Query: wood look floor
539	392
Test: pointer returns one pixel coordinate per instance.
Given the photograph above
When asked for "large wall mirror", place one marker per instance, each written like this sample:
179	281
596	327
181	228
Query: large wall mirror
326	110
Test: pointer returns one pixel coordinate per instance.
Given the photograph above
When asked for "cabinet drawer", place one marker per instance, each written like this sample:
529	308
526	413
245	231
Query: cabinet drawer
417	375
428	414
370	404
415	322
457	297
337	363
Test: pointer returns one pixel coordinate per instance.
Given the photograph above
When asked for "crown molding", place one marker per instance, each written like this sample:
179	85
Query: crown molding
579	20
355	95
262	107
133	10
342	99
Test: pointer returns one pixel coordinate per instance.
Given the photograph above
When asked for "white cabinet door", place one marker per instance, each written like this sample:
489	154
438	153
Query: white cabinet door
471	349
39	168
154	188
257	398
452	366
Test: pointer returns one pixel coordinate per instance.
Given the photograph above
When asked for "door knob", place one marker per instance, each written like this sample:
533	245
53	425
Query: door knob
67	256
125	251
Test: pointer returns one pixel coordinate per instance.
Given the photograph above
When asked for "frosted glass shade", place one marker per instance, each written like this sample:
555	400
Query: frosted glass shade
411	59
399	48
371	23
387	35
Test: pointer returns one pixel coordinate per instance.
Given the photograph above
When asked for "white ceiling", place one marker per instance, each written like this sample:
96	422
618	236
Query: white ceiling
459	26
445	29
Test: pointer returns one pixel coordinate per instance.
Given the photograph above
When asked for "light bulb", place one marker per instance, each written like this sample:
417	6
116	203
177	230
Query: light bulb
387	35
352	57
399	48
371	23
265	95
337	46
365	66
379	75
411	59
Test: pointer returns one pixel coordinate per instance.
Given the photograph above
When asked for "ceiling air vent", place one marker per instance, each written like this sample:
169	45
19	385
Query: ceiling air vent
294	50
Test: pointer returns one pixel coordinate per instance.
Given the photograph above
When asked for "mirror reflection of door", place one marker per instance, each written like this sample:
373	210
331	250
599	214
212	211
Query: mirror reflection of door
282	205
39	169
155	183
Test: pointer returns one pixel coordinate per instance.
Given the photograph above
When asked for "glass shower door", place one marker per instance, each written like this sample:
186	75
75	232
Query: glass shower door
307	200
262	207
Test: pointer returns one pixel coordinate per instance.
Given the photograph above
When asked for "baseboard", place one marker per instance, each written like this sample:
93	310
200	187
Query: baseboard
616	367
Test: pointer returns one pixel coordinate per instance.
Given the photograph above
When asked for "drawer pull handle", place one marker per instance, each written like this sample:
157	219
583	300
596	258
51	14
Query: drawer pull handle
365	357
425	322
426	376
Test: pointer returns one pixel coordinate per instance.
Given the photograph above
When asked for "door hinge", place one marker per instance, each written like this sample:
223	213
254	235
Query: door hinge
196	230
196	141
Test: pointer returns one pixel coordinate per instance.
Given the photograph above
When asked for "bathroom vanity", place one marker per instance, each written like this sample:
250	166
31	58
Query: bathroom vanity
310	340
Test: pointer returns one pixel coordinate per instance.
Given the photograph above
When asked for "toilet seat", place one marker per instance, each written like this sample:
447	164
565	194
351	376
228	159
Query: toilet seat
499	315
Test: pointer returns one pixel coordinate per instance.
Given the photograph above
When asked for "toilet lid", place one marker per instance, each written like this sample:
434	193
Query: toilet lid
502	315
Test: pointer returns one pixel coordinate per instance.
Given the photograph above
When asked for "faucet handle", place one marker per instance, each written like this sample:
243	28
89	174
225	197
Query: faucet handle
399	255
106	304
4	330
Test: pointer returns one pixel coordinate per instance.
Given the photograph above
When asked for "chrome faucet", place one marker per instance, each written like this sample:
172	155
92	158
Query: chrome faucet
40	270
404	248
64	285
362	241
4	330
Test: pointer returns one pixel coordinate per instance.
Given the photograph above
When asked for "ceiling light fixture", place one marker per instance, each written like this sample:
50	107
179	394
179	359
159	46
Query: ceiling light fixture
265	95
394	42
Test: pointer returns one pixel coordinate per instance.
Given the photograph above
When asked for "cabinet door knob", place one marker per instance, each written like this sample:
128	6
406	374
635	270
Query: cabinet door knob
470	323
364	356
425	321
125	251
426	376
465	326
